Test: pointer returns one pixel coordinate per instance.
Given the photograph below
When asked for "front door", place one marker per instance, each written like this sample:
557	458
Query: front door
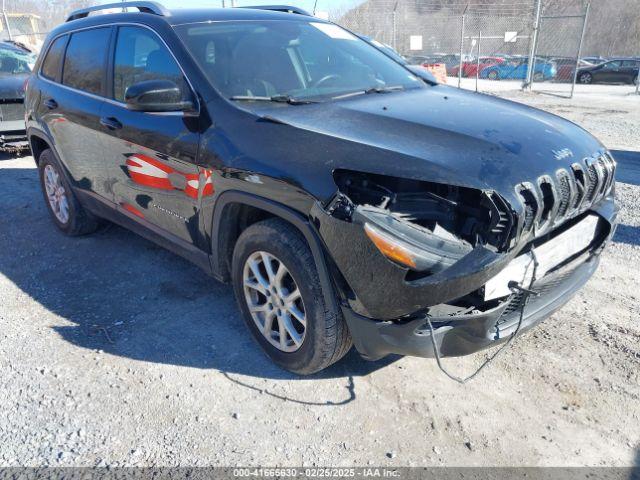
151	157
609	72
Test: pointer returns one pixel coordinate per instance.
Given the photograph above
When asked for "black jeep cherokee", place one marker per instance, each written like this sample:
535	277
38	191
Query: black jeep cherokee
346	199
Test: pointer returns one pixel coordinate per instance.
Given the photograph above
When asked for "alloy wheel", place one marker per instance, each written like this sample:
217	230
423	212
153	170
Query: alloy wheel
274	301
56	193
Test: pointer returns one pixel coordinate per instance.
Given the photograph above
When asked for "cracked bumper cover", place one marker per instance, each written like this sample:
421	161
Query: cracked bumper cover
383	295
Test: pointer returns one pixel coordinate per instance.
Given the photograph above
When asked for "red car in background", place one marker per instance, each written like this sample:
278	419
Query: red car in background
469	69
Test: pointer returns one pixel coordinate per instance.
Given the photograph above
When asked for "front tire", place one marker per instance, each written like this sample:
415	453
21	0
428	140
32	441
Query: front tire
585	78
66	211
493	75
278	291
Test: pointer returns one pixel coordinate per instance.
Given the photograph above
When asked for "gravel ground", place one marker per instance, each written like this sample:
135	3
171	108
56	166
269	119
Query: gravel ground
116	352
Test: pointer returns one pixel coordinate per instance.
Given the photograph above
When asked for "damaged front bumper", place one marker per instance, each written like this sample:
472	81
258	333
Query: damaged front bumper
386	309
465	334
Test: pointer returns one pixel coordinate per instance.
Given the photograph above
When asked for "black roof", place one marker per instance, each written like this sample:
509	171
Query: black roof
635	59
79	19
188	15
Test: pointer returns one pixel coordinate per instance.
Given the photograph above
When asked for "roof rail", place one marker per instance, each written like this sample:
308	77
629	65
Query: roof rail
144	7
280	8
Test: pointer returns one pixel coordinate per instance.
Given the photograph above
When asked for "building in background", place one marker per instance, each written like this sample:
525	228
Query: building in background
24	28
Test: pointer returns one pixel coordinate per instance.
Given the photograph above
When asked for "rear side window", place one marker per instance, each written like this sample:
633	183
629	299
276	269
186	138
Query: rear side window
85	61
53	60
141	56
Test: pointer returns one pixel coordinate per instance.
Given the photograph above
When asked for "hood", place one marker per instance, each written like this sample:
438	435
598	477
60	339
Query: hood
457	136
12	86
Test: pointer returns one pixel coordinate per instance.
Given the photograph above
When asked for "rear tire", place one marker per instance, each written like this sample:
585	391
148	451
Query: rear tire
493	75
538	77
323	338
67	213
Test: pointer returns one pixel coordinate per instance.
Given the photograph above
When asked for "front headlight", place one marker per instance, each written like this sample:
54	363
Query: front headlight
423	226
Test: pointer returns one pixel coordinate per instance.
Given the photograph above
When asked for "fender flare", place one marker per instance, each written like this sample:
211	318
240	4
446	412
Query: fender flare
36	132
45	137
282	211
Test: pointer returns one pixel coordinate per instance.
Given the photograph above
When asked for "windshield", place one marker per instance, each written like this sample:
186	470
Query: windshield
15	62
293	59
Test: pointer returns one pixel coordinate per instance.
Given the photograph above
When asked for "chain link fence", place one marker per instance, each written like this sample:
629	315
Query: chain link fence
24	28
501	45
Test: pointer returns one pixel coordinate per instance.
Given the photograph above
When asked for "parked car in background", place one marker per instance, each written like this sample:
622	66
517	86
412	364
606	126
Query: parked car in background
566	68
516	69
16	63
470	68
619	70
423	59
451	62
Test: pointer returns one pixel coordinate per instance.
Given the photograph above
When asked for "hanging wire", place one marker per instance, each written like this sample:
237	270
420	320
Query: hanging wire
515	287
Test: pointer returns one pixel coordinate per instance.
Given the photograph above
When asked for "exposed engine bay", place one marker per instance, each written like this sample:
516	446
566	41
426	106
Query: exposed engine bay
456	214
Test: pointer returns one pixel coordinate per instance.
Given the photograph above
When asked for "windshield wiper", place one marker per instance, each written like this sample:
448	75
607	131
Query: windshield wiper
275	98
368	91
394	88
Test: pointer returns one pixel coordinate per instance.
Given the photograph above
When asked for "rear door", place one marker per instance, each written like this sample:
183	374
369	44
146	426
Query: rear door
629	71
151	157
72	90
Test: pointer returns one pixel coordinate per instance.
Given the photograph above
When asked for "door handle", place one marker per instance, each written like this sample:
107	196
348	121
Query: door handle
111	123
51	104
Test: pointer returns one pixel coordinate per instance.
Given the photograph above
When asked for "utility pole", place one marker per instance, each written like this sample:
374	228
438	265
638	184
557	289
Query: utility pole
584	28
395	27
534	46
478	59
6	20
464	15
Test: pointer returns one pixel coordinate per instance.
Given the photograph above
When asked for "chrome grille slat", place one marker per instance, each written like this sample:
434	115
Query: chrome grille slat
592	182
549	205
580	177
552	200
565	193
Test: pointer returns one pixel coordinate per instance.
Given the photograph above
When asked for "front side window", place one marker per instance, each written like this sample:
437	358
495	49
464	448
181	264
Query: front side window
292	58
53	60
84	63
140	56
611	65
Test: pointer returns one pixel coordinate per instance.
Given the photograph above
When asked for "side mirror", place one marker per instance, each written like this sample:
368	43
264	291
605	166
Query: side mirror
156	96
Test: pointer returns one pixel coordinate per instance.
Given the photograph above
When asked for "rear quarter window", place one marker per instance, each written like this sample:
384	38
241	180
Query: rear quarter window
85	60
53	60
